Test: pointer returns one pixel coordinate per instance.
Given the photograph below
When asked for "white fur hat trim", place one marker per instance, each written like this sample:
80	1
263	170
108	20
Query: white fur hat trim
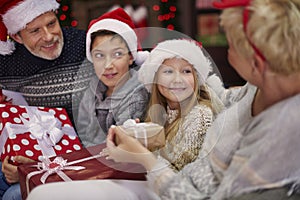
186	49
20	15
116	26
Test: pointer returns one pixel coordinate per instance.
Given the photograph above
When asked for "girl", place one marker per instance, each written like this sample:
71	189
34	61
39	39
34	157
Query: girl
176	79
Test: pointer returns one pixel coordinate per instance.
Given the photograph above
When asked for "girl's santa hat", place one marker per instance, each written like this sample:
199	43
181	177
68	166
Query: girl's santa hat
120	22
193	52
16	14
189	50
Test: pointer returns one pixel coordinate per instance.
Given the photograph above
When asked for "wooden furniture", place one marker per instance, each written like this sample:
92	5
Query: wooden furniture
213	39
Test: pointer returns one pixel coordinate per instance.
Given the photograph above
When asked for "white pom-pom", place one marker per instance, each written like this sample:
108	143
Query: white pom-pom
141	57
7	47
215	83
129	123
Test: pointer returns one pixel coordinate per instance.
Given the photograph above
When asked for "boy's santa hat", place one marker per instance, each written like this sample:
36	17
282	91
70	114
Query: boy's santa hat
117	21
16	14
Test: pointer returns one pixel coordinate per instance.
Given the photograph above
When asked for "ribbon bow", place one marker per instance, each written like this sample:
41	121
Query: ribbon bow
43	126
129	123
55	166
139	129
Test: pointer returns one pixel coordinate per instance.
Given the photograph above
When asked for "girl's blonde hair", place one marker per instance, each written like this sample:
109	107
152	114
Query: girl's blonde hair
273	27
157	106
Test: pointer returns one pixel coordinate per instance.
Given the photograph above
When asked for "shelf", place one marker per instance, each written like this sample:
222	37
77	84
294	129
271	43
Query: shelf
207	10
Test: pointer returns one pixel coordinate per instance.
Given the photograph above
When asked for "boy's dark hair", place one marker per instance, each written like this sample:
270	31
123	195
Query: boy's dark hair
114	35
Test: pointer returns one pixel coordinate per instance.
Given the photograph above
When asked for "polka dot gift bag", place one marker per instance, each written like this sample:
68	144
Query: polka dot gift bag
34	132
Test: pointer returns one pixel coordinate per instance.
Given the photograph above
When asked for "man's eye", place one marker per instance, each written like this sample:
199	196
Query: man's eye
52	23
34	31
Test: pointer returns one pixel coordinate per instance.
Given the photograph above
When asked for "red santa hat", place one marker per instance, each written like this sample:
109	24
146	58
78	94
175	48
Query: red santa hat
16	14
117	21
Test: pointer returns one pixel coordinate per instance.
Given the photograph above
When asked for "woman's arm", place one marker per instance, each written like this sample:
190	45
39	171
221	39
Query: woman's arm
195	181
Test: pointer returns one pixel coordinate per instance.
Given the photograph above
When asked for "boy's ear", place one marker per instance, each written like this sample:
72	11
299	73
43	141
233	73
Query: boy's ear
16	37
130	59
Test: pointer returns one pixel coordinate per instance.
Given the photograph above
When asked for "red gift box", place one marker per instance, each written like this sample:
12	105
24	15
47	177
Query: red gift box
85	164
35	132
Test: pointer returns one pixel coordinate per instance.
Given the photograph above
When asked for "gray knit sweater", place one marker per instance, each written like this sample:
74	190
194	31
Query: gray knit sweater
97	113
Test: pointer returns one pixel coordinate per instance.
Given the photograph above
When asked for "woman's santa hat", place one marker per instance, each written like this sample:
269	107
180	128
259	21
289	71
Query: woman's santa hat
16	14
117	21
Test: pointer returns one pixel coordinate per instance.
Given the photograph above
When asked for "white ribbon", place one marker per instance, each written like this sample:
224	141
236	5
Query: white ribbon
43	126
56	166
138	129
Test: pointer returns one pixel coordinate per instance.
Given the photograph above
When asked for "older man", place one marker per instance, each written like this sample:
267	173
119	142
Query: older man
43	61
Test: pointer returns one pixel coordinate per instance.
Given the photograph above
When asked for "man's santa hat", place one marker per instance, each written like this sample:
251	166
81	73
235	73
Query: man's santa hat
117	21
16	14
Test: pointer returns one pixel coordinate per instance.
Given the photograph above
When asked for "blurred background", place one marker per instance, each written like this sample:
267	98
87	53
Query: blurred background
194	18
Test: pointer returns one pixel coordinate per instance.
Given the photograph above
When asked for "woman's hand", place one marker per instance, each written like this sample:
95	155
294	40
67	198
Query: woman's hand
128	149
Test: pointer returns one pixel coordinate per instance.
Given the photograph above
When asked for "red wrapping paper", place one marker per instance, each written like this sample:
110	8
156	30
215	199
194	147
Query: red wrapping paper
96	168
25	143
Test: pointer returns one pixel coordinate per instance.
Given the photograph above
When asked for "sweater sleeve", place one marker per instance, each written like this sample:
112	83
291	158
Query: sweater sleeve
195	181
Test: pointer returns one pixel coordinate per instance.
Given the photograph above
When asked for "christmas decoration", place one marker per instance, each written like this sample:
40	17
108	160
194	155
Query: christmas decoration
168	14
137	13
65	14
